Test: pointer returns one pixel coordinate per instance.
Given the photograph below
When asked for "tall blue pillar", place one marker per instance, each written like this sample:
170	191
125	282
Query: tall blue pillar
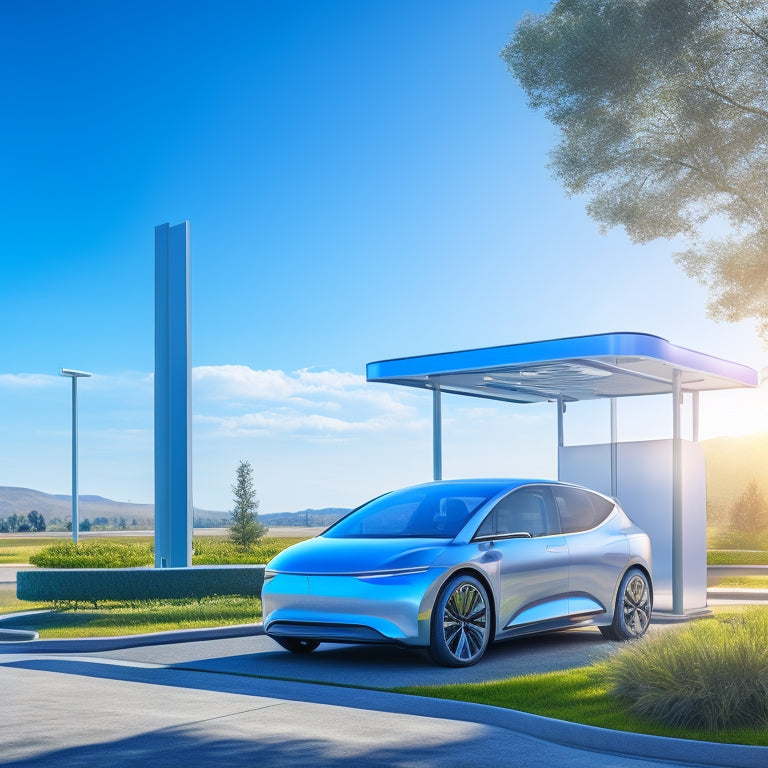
173	412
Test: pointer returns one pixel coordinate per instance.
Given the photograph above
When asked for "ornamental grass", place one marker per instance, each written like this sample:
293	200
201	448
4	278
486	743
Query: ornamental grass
710	675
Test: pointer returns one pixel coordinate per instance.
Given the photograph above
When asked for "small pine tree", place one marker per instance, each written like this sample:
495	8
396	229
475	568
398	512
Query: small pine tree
245	527
749	515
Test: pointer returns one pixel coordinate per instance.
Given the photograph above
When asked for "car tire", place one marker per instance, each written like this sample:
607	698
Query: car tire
632	614
297	644
461	623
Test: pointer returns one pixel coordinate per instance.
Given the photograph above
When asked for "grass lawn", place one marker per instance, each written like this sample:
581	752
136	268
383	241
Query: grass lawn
736	557
9	603
577	695
745	582
131	618
18	549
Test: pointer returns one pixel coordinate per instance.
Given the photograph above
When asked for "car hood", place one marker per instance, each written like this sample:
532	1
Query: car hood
329	556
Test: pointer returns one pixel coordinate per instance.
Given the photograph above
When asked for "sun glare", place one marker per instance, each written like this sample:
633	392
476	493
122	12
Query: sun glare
733	413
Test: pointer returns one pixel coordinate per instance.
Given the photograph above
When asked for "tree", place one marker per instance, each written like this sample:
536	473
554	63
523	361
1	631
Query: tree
245	527
663	114
749	514
36	521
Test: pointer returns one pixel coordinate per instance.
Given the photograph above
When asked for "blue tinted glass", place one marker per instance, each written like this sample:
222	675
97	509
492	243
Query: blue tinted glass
429	511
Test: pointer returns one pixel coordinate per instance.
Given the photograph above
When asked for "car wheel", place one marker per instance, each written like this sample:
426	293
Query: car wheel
460	623
633	608
296	644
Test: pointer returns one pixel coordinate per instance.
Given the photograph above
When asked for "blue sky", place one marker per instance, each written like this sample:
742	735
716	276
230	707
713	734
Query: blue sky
363	180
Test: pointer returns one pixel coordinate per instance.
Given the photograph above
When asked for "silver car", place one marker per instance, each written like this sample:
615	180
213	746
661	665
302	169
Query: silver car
452	566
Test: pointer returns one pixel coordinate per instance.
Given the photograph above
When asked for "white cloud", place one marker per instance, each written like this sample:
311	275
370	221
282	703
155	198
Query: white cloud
238	401
243	383
28	380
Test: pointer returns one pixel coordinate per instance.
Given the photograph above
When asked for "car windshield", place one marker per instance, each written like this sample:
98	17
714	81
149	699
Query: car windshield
428	511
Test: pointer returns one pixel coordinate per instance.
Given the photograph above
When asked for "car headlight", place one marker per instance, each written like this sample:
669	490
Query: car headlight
391	573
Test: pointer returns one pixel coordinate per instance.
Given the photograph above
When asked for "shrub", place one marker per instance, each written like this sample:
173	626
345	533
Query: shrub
711	675
94	554
210	551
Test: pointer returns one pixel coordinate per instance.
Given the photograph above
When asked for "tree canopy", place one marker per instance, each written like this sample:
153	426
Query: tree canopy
662	109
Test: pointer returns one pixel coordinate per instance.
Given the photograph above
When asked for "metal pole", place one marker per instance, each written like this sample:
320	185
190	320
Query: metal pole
560	433
437	433
695	407
74	375
614	449
677	497
75	507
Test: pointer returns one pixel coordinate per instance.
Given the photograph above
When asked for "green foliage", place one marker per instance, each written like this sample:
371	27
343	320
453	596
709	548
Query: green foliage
207	550
663	117
94	554
749	515
34	521
245	528
711	675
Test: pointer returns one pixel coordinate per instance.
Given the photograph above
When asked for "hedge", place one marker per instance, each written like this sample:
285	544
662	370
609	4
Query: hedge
92	584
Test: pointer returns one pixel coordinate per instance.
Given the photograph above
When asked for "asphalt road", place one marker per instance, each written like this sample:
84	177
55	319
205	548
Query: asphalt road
233	697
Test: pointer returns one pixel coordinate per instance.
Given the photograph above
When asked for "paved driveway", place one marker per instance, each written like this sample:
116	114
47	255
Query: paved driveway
222	698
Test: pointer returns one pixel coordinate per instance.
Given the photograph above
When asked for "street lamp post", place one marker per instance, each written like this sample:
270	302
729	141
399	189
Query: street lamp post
74	375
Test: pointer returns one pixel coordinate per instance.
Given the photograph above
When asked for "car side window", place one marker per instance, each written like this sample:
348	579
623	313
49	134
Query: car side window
580	510
524	512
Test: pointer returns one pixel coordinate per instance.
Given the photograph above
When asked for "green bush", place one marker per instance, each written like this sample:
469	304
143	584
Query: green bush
94	554
711	675
208	550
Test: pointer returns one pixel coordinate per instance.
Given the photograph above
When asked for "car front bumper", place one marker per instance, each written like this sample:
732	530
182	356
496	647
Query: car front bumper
369	608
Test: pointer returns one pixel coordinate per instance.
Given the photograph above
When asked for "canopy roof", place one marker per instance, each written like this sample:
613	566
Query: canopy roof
576	368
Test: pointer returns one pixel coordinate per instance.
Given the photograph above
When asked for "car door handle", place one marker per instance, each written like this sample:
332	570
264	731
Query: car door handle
553	548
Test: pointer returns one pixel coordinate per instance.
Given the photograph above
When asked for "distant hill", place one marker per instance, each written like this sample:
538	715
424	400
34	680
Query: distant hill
732	462
21	501
310	517
16	501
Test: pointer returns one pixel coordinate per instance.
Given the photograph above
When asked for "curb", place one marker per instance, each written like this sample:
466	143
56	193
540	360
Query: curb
118	642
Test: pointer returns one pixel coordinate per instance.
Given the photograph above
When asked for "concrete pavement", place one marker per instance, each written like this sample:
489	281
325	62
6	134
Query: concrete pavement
205	697
86	712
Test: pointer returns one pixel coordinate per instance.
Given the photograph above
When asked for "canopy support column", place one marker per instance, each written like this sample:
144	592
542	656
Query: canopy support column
695	409
614	449
437	432
560	431
677	496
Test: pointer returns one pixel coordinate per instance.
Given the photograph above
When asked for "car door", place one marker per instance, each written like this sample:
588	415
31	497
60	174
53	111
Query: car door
532	558
597	550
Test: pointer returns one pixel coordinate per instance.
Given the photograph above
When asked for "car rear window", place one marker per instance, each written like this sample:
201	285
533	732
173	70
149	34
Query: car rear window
580	510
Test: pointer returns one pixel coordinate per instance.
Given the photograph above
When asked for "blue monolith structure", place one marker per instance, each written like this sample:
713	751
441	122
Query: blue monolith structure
173	412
